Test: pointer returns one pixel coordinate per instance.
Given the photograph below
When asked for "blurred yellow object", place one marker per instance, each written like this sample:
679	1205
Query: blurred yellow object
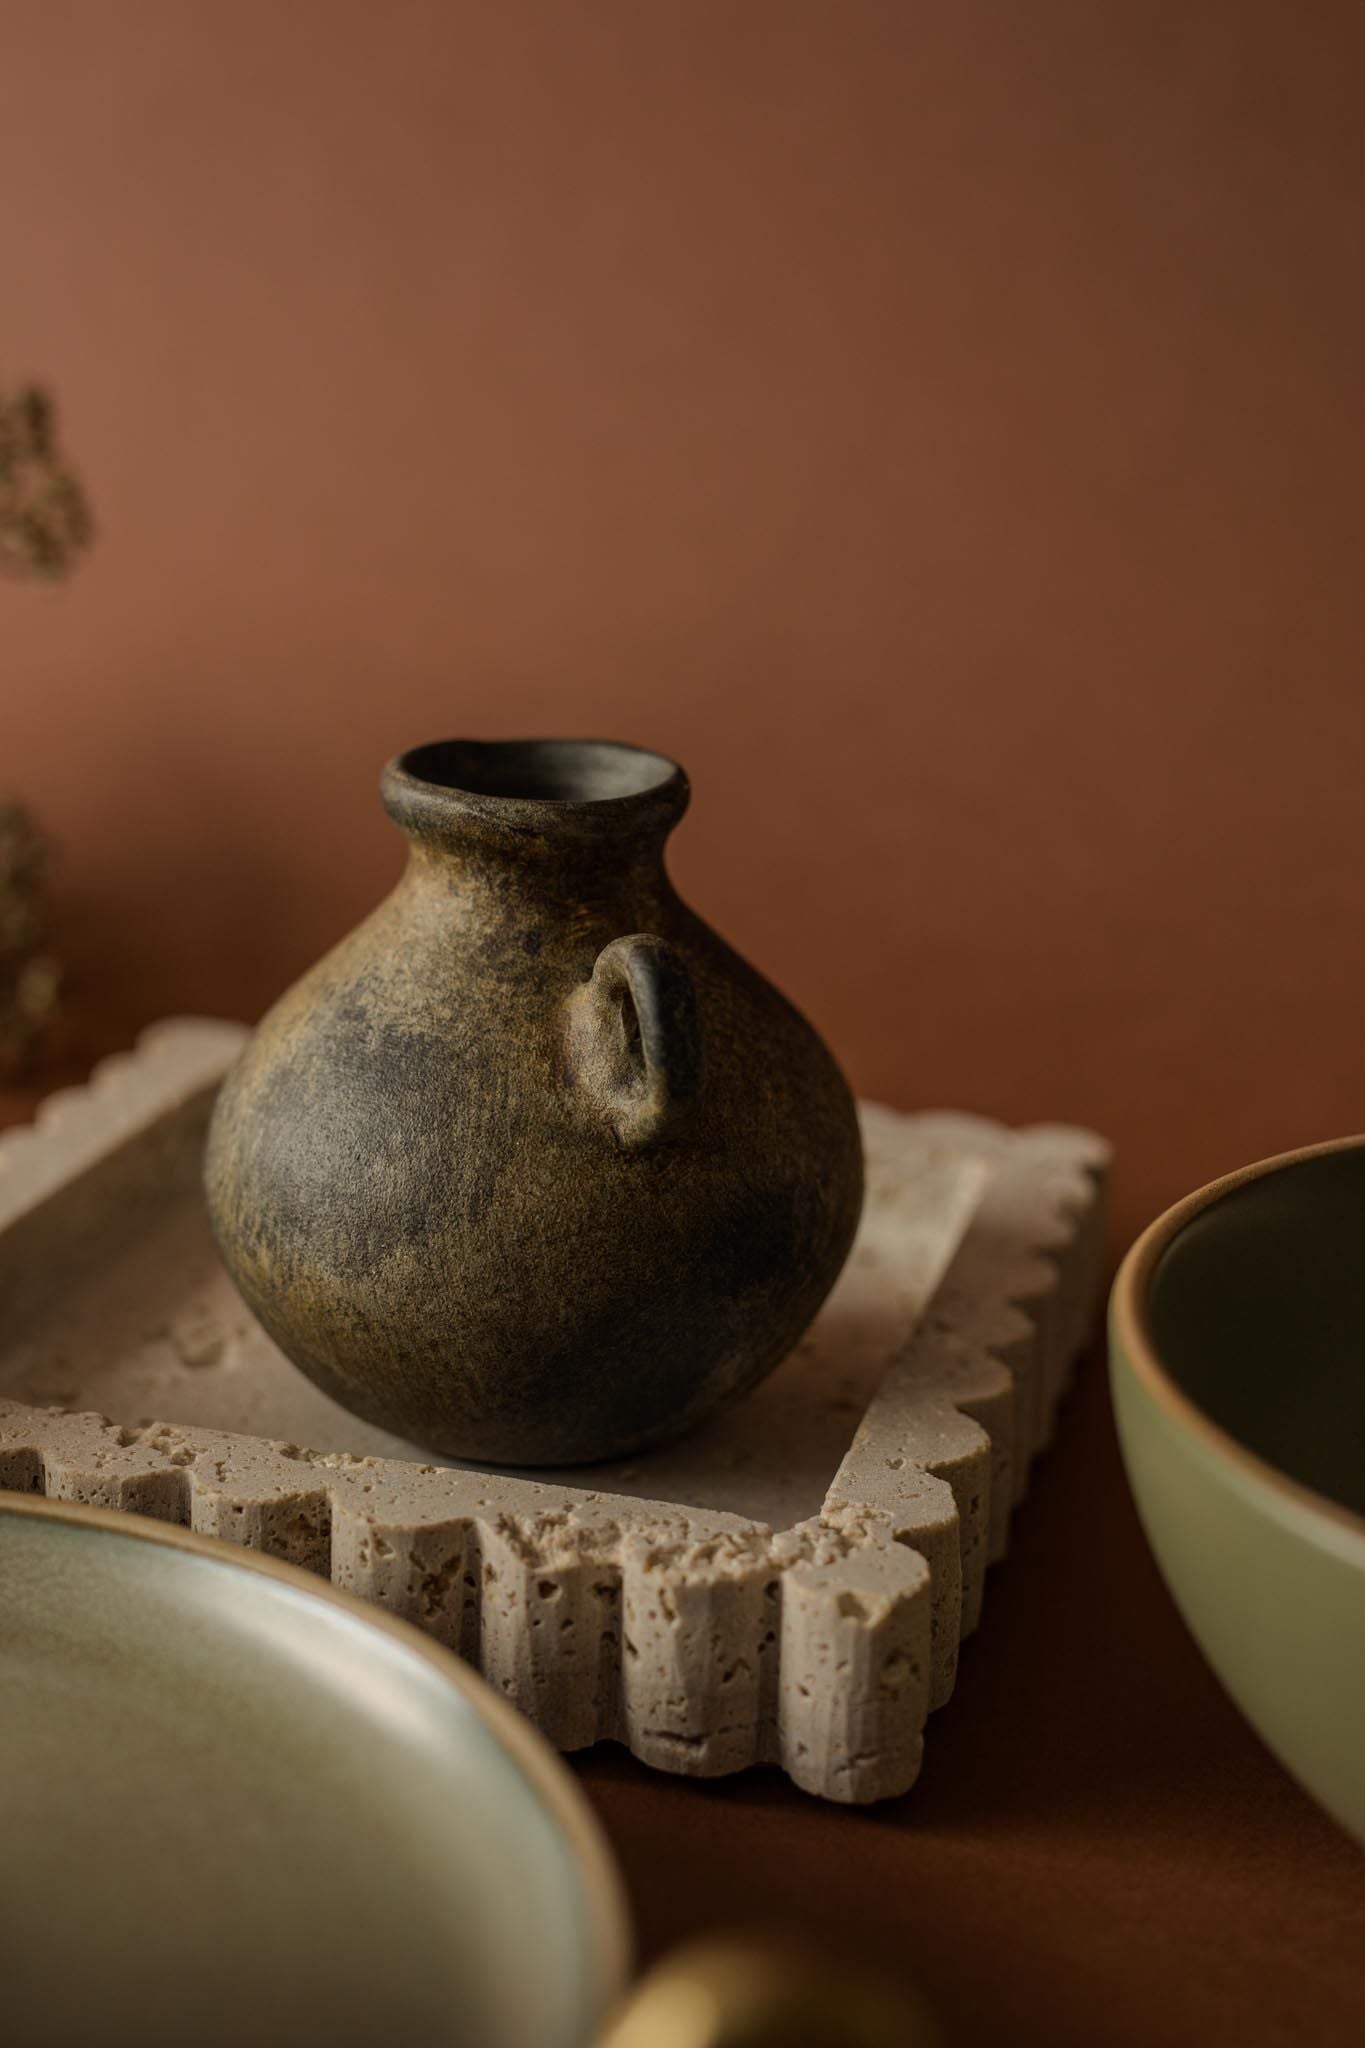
731	1995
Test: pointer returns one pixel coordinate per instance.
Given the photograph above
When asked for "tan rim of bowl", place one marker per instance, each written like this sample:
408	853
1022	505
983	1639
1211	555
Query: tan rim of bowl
608	1925
1129	1312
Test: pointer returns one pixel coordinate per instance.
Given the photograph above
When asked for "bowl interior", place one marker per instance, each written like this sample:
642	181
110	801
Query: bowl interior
1257	1311
239	1811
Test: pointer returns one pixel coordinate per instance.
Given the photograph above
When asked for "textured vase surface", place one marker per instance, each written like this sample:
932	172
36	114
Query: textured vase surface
532	1168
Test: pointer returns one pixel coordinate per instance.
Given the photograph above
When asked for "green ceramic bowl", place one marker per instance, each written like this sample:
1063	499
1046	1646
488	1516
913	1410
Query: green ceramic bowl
239	1807
1237	1329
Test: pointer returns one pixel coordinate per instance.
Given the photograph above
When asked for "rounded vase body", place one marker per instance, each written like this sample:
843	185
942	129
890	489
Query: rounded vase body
532	1168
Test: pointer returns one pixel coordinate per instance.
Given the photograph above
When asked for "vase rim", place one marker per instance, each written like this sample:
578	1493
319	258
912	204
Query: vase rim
539	787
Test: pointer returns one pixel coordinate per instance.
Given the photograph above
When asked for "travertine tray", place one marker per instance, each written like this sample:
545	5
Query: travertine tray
787	1586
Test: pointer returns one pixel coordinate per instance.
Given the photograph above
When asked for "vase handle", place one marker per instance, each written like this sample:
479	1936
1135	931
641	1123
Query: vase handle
634	1039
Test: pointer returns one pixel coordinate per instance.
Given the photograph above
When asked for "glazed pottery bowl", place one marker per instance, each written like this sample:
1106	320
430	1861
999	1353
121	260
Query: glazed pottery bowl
238	1806
1238	1360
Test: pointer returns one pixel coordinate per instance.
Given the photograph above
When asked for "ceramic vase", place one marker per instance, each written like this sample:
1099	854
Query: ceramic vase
533	1168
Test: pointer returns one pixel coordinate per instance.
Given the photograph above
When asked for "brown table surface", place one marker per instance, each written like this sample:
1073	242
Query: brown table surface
942	428
1098	1849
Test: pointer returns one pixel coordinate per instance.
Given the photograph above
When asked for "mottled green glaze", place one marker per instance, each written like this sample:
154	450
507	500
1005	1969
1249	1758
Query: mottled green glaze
533	1168
241	1810
1238	1363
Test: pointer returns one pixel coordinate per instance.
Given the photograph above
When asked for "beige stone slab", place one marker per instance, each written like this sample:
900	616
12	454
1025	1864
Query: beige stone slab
787	1586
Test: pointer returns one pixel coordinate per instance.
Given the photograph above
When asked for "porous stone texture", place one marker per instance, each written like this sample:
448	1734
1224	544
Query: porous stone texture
788	1586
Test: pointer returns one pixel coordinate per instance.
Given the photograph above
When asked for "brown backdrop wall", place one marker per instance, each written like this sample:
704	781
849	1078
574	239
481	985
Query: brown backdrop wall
941	427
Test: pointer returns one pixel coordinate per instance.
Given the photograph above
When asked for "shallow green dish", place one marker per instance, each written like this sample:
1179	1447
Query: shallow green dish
237	1806
1237	1351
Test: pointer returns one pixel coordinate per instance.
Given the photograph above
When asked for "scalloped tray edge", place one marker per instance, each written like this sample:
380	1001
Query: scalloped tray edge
703	1641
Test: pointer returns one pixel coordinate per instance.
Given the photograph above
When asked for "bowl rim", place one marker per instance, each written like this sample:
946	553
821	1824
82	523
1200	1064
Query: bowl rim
608	1943
1129	1308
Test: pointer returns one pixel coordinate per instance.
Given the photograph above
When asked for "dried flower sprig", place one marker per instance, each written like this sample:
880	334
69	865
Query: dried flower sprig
44	517
44	525
29	977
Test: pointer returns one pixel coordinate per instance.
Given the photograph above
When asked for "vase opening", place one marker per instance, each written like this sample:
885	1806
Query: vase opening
539	771
547	794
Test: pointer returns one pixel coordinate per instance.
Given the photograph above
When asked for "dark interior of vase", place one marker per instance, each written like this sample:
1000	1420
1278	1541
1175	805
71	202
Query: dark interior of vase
1257	1311
542	771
